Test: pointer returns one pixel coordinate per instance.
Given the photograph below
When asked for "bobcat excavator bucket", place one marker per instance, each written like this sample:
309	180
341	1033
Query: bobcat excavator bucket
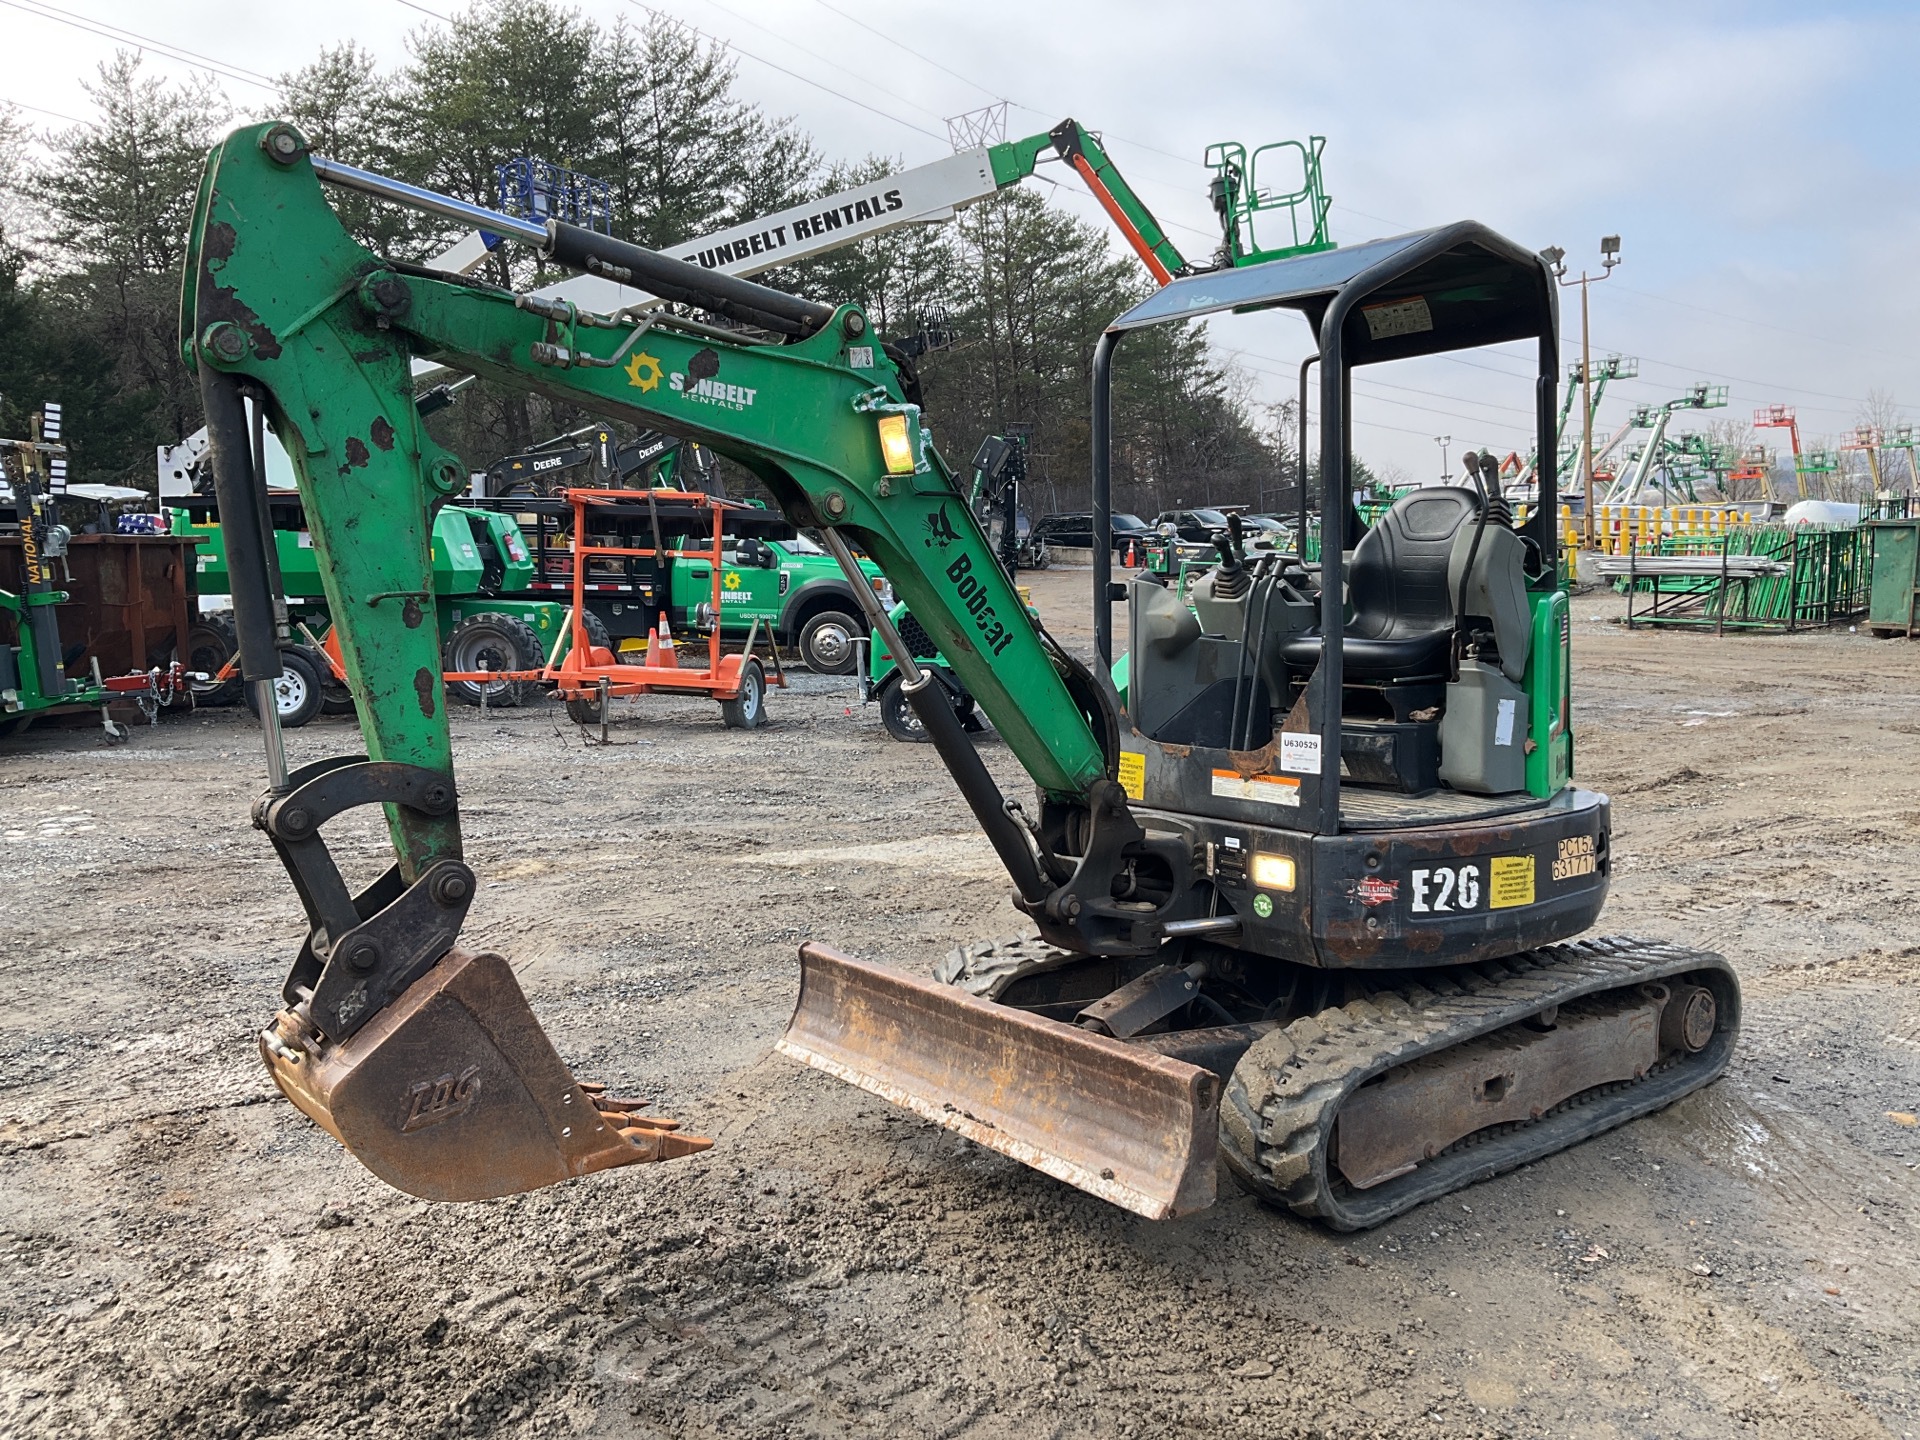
1135	1128
454	1092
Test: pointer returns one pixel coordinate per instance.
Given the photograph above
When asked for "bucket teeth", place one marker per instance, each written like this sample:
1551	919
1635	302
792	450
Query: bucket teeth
454	1092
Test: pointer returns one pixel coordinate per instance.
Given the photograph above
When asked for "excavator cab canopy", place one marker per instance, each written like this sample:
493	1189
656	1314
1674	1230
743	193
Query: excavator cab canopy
1454	287
1451	288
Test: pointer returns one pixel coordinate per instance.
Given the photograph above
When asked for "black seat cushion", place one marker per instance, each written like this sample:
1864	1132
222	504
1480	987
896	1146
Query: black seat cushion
1402	625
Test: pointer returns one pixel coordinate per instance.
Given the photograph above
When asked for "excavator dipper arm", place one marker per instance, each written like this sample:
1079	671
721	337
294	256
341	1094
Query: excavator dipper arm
425	1061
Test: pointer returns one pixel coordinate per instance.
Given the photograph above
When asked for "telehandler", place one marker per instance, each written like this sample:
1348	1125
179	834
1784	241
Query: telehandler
1300	901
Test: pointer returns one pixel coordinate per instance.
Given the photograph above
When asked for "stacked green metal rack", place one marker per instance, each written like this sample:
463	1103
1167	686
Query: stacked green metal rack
1826	579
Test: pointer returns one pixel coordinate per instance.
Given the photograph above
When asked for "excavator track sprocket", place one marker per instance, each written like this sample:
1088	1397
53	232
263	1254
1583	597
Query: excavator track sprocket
1279	1115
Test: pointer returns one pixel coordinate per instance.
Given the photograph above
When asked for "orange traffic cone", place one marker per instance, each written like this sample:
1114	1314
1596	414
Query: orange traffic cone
660	652
1132	562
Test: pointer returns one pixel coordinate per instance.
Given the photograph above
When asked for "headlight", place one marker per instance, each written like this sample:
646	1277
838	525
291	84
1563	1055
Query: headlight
1273	872
896	444
883	587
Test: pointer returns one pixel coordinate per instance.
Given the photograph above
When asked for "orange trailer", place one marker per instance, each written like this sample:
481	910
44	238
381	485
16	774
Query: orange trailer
589	675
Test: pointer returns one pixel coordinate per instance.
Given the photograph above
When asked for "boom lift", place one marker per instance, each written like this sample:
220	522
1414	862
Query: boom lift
930	193
1199	872
1632	487
1784	417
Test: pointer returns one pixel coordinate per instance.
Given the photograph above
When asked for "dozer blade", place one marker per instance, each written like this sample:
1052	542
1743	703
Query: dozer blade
454	1092
1135	1128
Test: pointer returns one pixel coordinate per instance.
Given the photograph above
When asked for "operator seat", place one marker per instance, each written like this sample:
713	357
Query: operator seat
1402	605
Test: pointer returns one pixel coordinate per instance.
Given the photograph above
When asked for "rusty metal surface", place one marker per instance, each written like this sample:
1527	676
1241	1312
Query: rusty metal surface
1414	1112
131	597
1137	1129
454	1092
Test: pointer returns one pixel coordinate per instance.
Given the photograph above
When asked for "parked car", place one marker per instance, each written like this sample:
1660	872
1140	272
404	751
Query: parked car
1074	529
1199	526
1267	526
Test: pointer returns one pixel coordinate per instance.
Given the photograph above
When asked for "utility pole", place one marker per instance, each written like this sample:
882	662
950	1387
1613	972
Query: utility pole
1443	441
1557	259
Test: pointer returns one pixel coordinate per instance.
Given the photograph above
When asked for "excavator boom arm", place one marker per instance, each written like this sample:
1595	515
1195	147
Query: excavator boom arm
426	1061
281	296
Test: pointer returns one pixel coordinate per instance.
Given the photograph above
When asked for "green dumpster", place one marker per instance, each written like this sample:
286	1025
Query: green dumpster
1896	581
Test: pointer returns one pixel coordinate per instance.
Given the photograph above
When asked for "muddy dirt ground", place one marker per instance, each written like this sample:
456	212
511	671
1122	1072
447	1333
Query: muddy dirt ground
184	1255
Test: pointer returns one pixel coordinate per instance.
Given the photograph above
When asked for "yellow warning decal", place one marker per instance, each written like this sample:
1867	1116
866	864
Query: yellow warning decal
1511	883
1133	774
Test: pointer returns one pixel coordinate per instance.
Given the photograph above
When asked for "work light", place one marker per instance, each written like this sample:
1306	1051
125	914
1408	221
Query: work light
896	444
1273	872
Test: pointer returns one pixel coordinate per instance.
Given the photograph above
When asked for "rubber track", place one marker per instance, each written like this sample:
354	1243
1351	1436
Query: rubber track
1277	1115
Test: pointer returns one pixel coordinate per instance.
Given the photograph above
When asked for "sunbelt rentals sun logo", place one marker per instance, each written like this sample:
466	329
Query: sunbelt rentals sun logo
699	382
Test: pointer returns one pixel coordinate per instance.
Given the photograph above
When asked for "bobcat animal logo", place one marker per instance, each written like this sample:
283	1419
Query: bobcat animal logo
940	529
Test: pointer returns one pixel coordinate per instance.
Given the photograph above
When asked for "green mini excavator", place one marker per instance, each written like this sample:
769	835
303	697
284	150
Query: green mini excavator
1305	899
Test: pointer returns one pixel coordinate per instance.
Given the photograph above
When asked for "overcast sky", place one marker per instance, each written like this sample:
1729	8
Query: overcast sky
1757	158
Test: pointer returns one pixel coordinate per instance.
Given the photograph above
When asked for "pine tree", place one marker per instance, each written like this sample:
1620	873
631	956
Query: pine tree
118	198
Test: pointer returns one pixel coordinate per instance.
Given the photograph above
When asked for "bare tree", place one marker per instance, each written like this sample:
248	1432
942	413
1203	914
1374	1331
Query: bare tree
1863	462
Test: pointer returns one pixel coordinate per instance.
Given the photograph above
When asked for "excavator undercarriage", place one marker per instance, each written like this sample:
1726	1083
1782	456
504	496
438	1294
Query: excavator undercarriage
1365	1102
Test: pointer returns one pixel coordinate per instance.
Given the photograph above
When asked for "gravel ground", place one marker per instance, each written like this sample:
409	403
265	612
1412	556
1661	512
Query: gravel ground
185	1255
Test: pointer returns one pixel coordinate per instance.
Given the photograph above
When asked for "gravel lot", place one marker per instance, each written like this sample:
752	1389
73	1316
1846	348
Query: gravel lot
185	1255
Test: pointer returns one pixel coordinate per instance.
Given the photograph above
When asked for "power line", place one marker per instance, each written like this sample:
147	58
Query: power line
1455	415
824	60
447	19
1764	325
1377	219
975	84
190	58
1748	380
1718	314
984	90
908	48
1763	386
1410	389
42	110
791	74
1381	425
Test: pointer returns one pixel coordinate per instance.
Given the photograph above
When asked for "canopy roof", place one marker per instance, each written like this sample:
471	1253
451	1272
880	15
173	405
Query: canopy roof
1449	288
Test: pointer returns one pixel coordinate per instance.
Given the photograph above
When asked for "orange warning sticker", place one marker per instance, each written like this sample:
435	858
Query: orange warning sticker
1263	789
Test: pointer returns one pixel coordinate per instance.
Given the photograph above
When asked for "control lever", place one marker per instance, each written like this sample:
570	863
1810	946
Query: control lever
1472	461
1232	580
